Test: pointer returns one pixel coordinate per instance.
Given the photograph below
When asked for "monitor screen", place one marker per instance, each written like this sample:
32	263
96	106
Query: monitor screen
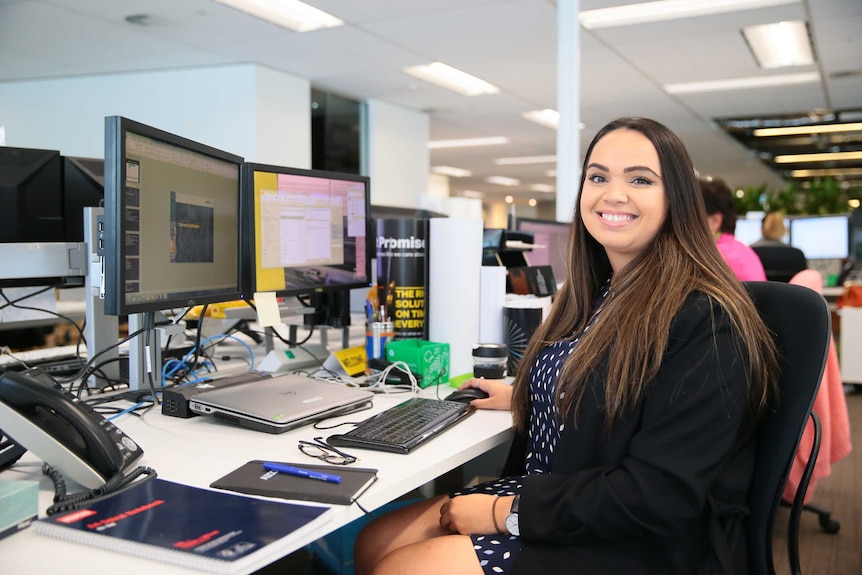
172	221
747	231
83	187
551	239
821	237
31	195
308	230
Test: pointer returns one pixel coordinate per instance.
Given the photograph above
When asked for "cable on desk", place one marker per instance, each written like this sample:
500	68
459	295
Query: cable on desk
116	484
14	303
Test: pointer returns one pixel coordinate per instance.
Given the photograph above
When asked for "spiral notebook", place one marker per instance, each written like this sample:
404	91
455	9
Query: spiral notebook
190	527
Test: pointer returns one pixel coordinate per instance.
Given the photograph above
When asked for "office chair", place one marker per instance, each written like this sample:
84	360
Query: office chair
781	262
800	321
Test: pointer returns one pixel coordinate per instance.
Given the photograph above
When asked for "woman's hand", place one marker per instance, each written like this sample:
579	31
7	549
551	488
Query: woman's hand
473	514
499	393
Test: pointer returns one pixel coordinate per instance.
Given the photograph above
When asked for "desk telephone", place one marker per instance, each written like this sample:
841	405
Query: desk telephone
63	431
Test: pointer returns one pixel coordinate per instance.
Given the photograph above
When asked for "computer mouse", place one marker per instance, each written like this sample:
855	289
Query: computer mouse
466	395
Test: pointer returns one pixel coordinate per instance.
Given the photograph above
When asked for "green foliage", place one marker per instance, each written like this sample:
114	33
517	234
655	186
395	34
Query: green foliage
824	196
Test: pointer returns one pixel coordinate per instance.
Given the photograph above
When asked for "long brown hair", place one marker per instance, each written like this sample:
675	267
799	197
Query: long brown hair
632	331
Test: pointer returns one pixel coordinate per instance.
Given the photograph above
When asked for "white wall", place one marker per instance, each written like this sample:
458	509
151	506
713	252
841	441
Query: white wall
398	158
248	110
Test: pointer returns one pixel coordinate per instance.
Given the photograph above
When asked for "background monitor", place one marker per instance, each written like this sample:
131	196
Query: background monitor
31	195
821	237
551	239
309	230
747	231
83	187
172	221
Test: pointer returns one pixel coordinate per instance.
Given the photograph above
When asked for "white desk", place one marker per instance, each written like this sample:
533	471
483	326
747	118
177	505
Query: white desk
199	450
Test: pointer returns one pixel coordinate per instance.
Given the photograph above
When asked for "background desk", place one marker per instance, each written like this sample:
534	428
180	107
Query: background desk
199	450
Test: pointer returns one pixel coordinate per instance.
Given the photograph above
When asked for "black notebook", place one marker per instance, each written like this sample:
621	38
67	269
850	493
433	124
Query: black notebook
187	526
253	479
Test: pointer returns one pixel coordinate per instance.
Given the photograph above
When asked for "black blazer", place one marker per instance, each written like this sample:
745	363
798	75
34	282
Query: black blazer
781	262
663	490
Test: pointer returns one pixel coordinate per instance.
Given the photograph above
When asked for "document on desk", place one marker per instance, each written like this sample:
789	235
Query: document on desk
187	526
253	479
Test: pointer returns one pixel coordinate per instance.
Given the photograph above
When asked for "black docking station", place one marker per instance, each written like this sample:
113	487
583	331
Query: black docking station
175	400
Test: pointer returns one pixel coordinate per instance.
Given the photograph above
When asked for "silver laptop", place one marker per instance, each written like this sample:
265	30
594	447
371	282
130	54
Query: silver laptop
280	403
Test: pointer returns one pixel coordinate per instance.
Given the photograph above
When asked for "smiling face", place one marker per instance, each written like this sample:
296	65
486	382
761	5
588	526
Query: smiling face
623	202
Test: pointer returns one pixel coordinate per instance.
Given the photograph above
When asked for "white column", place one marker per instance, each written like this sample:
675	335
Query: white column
568	104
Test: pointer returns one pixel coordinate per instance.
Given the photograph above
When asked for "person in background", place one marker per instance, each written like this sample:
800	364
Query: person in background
721	217
636	409
772	230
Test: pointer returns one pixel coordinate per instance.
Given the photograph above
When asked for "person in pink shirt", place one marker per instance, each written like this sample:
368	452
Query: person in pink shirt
721	215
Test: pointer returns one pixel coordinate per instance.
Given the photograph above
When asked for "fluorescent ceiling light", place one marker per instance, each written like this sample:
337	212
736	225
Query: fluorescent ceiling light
548	117
780	45
824	157
826	172
291	14
525	160
451	78
502	181
473	194
452	171
547	188
551	173
804	130
741	83
468	142
646	12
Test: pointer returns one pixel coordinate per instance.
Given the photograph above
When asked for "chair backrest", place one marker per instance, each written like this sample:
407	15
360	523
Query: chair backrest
800	321
781	262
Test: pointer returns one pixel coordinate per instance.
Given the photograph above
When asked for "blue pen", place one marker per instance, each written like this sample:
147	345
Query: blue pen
300	472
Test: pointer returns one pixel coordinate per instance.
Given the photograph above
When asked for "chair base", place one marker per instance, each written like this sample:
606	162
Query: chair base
824	517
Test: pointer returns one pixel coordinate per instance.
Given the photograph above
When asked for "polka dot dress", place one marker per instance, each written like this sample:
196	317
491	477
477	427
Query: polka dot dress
497	552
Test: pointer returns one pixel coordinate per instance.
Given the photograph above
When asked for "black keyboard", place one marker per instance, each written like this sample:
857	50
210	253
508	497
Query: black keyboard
401	428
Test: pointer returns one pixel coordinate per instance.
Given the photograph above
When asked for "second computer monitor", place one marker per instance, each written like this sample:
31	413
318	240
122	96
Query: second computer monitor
821	237
308	230
551	239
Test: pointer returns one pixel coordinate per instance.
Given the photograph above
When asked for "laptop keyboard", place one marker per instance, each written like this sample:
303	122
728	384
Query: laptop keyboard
401	428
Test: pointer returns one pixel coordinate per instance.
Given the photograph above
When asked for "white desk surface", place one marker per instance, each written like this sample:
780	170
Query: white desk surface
199	450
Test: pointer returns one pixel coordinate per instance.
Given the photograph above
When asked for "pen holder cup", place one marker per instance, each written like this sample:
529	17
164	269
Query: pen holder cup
377	335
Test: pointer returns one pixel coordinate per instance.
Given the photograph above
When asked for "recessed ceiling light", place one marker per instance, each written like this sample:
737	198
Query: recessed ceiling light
824	157
451	78
548	117
502	181
526	160
803	130
780	45
451	171
819	173
532	202
741	83
509	199
468	142
547	188
646	12
291	14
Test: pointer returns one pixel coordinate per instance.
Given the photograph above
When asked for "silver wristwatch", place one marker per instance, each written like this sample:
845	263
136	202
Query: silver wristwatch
512	517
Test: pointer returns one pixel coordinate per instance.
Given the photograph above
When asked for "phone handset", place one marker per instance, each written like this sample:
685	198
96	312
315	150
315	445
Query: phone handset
64	432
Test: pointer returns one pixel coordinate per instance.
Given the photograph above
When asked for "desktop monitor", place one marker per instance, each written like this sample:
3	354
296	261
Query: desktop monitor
551	243
31	195
821	237
747	231
172	221
308	230
83	187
